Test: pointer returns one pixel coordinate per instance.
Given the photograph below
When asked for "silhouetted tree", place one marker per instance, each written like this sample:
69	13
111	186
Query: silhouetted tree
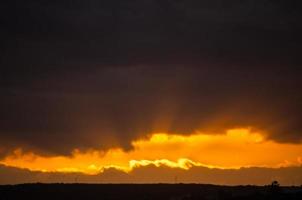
275	188
275	184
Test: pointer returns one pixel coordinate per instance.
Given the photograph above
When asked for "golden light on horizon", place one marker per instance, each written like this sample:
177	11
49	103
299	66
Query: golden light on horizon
235	149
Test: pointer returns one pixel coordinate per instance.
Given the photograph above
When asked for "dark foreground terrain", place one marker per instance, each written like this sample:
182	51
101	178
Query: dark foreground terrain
145	191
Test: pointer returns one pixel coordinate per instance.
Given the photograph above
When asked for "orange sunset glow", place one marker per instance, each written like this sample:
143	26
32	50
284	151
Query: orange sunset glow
151	99
235	149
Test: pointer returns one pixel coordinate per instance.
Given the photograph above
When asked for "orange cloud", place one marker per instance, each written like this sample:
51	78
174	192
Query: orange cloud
235	149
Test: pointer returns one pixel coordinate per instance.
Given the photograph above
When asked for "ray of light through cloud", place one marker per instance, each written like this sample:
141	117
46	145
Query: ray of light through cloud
235	149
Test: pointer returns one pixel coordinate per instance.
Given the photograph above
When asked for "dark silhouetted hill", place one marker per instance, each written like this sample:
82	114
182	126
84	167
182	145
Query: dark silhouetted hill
145	191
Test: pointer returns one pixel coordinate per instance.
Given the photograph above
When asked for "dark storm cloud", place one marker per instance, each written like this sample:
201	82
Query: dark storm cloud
96	74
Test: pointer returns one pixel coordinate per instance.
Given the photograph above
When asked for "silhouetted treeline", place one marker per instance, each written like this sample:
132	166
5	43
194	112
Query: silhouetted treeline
146	191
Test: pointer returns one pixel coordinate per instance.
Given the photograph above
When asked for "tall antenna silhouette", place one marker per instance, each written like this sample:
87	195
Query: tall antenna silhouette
76	178
175	179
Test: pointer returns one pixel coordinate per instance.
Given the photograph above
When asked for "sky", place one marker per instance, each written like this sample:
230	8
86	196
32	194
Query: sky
143	87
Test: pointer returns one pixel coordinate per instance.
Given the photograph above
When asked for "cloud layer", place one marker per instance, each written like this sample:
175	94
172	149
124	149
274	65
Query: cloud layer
237	149
101	74
247	176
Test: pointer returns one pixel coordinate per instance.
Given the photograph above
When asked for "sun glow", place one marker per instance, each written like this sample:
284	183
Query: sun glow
235	149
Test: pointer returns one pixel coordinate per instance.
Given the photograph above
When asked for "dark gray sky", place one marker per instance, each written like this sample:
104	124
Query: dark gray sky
97	74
